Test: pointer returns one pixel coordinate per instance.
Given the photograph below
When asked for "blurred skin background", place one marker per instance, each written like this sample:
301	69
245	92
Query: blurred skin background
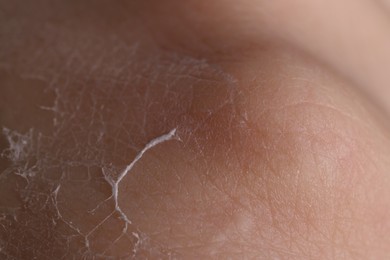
195	129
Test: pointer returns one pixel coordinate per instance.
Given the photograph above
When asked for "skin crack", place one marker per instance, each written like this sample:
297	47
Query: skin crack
171	135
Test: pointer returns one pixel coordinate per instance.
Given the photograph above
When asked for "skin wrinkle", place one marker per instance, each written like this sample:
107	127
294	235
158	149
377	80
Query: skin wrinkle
220	136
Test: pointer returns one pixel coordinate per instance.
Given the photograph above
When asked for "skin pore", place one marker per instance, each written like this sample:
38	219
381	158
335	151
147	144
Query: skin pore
279	148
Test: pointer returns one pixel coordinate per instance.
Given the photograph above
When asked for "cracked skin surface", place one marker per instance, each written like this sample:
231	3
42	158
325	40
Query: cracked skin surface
274	155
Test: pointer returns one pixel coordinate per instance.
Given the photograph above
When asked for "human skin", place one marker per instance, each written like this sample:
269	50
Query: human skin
267	147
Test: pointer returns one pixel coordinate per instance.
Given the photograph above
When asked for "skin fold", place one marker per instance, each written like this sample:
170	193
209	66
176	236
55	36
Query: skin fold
247	130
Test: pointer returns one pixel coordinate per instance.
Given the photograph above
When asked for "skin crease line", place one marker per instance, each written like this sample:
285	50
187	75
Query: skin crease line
361	54
194	130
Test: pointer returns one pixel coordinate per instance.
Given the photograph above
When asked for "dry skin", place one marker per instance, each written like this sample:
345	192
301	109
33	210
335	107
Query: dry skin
129	132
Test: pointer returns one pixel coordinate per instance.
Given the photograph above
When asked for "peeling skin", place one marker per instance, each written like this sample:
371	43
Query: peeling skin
115	184
129	133
172	135
158	140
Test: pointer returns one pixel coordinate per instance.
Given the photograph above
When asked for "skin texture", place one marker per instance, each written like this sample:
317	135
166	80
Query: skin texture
279	150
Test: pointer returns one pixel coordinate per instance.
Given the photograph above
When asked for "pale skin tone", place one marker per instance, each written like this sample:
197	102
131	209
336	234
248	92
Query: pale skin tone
271	119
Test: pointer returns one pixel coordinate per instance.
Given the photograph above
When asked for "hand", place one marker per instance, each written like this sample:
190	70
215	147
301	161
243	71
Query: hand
194	130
